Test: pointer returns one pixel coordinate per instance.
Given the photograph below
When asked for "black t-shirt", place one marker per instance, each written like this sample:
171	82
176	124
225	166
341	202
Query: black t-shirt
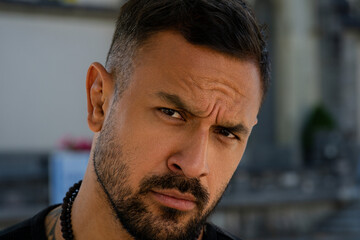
31	229
34	229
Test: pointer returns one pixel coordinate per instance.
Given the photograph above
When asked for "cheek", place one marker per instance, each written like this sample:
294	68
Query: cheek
148	147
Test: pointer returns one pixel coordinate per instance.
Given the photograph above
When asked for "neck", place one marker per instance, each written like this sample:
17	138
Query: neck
92	216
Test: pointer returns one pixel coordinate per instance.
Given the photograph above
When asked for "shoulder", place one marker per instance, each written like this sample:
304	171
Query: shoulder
33	228
214	232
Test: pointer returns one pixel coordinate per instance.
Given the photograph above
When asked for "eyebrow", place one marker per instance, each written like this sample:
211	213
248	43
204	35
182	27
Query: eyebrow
176	101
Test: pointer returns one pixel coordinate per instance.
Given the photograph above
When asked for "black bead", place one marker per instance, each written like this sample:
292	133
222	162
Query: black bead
65	217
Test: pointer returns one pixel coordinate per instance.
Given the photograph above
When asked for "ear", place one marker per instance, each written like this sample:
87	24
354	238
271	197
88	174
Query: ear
99	89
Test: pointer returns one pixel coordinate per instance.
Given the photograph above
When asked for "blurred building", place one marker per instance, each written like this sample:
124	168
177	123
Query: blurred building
302	161
315	54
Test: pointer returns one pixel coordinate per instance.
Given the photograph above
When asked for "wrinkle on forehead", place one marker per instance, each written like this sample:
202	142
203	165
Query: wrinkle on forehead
210	92
225	88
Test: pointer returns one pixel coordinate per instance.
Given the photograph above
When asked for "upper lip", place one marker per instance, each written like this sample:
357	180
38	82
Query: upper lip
176	194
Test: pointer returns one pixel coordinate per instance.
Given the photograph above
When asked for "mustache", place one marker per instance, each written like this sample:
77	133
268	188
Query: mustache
181	183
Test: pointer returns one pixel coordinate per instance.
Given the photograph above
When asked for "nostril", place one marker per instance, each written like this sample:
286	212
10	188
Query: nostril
177	167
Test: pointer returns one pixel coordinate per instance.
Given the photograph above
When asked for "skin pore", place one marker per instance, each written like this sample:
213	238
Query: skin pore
164	151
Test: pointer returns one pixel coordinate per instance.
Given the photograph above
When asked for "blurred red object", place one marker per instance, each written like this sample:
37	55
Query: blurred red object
75	144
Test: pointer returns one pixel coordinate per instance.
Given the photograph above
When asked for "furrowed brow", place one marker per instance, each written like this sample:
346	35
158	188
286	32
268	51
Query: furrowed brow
174	100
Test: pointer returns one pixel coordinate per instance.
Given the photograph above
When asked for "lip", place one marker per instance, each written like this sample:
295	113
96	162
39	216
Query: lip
174	199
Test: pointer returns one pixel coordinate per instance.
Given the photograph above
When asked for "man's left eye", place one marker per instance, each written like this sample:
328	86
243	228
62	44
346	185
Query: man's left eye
227	133
172	113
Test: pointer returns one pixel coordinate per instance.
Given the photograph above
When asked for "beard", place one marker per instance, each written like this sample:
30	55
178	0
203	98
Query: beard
130	207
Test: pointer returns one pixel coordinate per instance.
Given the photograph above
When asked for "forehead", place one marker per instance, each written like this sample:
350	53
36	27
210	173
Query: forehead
204	78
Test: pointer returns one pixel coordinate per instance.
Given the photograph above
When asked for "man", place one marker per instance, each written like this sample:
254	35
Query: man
172	112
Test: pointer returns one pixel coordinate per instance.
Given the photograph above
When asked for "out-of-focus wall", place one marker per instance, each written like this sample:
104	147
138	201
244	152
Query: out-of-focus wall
43	63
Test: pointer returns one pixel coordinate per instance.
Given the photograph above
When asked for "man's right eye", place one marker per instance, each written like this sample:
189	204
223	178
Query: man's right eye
171	113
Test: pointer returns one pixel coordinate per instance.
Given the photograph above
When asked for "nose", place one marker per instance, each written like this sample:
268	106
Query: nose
191	160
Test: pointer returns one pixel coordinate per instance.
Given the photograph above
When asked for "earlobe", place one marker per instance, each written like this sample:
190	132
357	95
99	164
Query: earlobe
99	90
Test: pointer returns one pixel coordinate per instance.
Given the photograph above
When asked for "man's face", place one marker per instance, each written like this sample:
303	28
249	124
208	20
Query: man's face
172	141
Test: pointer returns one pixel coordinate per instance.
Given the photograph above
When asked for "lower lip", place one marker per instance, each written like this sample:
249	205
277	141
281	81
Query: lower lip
171	202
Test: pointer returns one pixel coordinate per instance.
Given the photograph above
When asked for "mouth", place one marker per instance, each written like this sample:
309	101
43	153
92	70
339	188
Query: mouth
174	199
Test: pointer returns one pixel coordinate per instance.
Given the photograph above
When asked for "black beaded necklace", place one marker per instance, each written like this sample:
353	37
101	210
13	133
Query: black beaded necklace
65	217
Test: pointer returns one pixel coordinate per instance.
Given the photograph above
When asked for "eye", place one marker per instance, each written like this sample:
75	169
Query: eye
227	133
171	113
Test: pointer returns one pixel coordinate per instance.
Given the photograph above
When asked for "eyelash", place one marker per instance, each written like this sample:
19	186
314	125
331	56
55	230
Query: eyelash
169	112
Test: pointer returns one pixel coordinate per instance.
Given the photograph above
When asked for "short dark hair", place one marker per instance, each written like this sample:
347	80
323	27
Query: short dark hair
227	26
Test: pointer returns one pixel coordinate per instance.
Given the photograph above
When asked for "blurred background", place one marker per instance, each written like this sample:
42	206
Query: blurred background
300	176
